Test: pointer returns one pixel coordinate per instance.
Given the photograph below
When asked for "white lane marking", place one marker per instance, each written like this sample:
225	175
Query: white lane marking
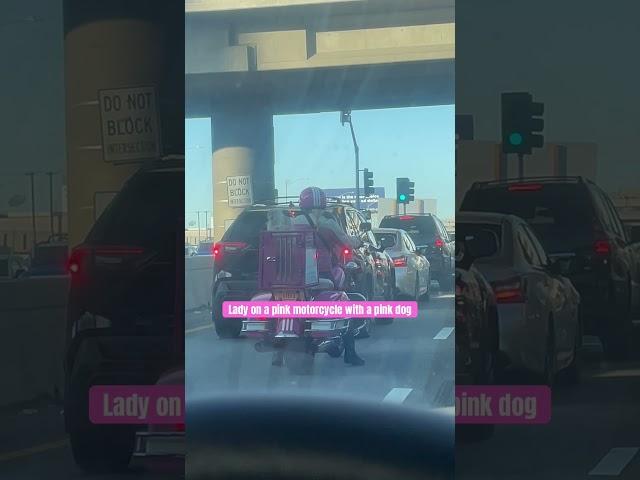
197	329
614	462
397	395
444	333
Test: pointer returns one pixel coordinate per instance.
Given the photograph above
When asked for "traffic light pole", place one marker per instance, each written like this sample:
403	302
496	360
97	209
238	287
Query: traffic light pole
357	152
521	166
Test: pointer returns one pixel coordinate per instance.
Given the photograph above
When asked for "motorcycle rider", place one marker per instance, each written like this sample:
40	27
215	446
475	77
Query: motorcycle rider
314	201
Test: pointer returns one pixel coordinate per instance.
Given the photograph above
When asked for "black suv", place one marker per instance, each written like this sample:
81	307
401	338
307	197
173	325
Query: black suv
121	310
579	227
432	240
235	268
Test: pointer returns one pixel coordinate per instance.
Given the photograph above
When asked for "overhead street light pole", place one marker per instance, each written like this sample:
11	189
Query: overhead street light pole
345	117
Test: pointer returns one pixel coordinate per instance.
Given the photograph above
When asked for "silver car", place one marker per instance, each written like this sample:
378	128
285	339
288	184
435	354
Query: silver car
538	309
412	270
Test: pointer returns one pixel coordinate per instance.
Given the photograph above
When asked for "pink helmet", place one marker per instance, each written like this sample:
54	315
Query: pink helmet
313	197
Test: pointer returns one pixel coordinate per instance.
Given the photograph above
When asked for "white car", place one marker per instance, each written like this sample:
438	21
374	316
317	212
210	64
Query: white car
538	309
412	270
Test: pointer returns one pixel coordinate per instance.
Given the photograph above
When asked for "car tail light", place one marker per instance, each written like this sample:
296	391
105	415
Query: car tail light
400	262
77	262
347	254
439	242
525	187
407	217
220	248
602	248
77	259
509	291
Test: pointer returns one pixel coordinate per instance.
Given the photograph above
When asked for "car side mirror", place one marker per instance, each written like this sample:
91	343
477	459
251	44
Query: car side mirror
365	226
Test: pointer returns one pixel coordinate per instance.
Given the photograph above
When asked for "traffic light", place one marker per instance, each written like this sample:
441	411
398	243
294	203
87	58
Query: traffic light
368	182
404	190
521	123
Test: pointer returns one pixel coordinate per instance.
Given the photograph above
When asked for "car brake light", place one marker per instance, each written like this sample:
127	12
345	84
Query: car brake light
406	217
525	187
602	247
347	254
400	262
221	248
78	257
508	291
439	242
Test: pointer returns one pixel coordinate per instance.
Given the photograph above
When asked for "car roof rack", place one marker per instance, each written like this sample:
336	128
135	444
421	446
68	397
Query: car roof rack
541	179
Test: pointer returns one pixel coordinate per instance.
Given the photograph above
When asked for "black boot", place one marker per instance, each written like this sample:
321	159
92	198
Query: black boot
350	355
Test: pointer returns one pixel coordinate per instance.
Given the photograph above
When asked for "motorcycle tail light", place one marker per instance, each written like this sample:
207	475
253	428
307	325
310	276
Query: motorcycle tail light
509	291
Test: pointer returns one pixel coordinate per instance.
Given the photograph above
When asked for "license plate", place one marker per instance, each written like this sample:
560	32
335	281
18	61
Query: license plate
287	295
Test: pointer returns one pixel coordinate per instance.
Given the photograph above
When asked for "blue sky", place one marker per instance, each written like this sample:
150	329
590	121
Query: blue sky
415	142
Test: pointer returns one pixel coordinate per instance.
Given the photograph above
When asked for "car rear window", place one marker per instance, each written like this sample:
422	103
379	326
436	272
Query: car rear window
464	230
392	238
247	227
555	212
422	230
145	213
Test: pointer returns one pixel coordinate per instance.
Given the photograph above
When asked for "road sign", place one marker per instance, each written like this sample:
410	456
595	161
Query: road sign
130	124
239	191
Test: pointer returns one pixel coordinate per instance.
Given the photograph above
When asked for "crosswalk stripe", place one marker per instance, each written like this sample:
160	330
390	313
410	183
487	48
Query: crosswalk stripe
444	333
397	395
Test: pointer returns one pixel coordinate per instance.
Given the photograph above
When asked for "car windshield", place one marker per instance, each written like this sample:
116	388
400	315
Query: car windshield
139	216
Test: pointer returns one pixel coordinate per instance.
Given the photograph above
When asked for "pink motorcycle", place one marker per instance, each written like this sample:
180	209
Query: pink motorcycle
290	269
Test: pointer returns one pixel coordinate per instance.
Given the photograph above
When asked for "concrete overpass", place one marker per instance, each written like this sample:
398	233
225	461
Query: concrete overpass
247	60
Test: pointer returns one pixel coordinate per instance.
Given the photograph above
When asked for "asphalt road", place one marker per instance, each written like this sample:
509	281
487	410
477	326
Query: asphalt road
594	432
410	361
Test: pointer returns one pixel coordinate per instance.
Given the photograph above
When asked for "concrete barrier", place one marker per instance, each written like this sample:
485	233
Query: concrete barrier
198	281
32	331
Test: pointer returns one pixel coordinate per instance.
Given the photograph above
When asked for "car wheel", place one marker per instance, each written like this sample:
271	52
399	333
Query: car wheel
427	295
103	449
571	374
366	328
548	375
618	337
225	327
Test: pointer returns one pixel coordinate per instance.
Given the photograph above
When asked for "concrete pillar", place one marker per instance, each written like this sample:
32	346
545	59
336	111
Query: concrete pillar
112	45
242	139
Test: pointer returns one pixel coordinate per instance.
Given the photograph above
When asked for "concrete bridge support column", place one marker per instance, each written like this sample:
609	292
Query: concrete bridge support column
242	140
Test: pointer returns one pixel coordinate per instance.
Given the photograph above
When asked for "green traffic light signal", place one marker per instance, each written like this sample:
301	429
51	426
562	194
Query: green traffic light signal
403	197
515	139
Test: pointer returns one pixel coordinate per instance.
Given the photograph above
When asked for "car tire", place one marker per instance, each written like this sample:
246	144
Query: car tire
426	297
225	327
549	372
103	449
571	375
618	336
366	329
